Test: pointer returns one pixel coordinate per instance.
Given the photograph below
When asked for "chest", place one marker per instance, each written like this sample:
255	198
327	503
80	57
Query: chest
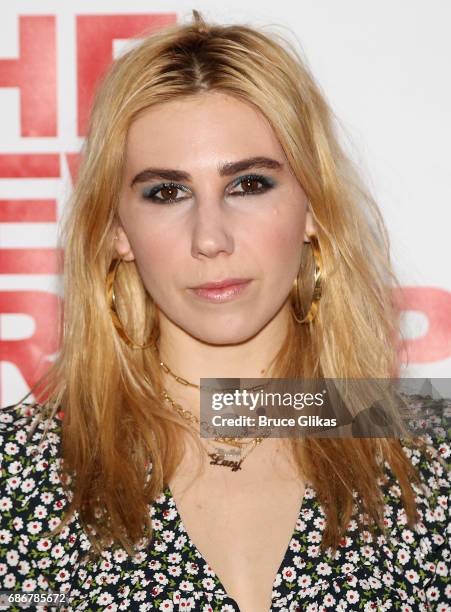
241	527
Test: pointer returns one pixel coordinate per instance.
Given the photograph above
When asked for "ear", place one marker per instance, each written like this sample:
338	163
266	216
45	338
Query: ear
122	244
310	226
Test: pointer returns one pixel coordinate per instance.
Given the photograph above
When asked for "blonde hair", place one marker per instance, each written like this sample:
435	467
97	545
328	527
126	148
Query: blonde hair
114	424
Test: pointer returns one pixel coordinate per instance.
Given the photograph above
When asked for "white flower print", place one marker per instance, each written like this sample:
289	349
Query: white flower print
172	566
388	579
351	580
299	562
104	599
368	551
351	556
20	437
329	600
9	581
161	578
62	575
5	535
403	556
186	585
432	593
11	448
27	485
319	523
40	512
314	536
352	596
14	467
12	557
174	557
57	551
29	585
120	555
192	568
54	477
139	557
207	570
295	545
313	551
167	535
124	605
304	581
180	542
346	542
17	523
138	575
324	569
54	522
277	580
307	515
24	567
407	536
289	574
157	524
442	569
374	582
300	525
437	539
208	584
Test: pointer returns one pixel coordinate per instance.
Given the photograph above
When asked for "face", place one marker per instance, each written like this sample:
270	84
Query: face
192	211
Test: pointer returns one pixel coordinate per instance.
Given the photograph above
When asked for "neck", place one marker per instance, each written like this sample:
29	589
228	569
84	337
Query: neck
193	359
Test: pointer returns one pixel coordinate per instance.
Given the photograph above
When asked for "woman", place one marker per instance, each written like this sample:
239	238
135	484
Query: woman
211	156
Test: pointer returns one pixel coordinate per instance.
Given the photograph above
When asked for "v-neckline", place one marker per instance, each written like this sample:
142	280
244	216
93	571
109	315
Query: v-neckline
308	490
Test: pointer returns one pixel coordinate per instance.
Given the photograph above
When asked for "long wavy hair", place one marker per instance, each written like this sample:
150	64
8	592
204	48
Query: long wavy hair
115	423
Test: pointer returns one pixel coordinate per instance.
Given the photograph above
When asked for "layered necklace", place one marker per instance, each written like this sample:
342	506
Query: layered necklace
218	456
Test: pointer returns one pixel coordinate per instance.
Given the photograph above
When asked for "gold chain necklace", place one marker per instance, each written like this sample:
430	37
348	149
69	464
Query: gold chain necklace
217	458
230	441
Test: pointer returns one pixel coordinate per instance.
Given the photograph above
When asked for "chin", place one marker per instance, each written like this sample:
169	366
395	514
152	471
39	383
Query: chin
223	334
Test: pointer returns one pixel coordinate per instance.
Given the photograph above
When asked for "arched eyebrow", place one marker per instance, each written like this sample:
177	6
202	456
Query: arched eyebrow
225	169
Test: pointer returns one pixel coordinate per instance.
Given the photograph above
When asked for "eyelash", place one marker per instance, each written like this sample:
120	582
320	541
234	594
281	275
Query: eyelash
150	194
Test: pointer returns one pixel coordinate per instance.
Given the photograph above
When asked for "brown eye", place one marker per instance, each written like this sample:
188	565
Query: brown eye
168	193
250	185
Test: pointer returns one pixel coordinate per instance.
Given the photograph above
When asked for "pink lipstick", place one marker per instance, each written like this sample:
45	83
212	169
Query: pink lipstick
222	291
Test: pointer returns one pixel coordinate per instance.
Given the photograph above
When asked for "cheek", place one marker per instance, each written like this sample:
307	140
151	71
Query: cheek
280	243
157	262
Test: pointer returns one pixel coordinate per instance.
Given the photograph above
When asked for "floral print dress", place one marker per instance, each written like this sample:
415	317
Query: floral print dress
407	571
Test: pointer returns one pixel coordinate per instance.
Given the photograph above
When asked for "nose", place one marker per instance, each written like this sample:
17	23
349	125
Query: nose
212	231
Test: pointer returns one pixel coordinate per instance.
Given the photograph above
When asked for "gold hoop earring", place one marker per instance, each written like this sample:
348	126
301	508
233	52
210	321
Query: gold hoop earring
317	289
111	299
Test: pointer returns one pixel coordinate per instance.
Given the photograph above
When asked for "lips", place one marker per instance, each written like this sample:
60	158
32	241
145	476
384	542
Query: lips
222	291
228	282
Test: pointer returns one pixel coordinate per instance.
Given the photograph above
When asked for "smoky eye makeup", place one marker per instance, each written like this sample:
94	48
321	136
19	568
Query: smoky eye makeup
168	190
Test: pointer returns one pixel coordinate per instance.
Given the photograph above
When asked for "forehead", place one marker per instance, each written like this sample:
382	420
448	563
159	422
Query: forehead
210	124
